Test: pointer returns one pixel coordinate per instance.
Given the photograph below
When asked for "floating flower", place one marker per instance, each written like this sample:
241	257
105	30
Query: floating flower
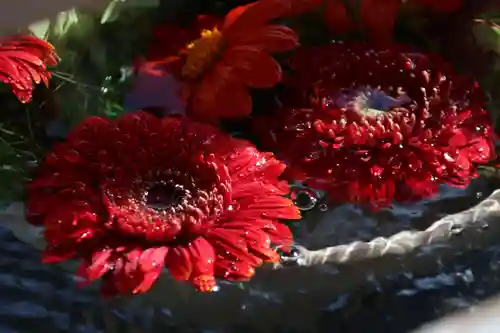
132	196
227	59
24	60
373	125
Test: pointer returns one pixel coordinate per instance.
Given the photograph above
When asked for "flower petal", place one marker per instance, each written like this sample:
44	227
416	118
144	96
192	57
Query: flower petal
221	95
179	264
203	259
280	235
98	266
272	38
253	66
233	270
246	18
24	60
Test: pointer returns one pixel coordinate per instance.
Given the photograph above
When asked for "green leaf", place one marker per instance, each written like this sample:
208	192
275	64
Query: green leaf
142	3
65	21
58	27
41	29
111	12
487	35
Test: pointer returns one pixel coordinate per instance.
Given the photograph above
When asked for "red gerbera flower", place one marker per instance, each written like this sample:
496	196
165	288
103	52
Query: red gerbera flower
373	125
132	196
221	65
24	60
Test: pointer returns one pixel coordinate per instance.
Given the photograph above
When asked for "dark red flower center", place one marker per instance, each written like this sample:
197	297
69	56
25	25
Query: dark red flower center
168	205
164	194
367	101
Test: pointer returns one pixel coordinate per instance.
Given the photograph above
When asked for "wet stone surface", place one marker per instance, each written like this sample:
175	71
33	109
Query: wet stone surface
33	295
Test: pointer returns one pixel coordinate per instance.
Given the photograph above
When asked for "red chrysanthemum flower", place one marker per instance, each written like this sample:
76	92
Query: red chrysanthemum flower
373	125
219	67
24	60
132	196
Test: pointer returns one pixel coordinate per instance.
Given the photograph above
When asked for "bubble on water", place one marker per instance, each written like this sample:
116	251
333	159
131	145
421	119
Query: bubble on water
290	257
304	197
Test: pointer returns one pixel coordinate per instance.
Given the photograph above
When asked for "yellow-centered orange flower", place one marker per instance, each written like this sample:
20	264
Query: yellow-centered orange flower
219	67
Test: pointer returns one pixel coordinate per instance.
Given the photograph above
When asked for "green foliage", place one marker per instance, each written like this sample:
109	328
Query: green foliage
96	51
116	7
67	24
17	155
487	34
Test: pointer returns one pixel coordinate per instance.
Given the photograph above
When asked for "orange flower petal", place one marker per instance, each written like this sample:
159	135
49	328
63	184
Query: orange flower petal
232	270
234	14
259	243
281	235
23	62
247	18
178	263
203	258
221	94
272	38
254	66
